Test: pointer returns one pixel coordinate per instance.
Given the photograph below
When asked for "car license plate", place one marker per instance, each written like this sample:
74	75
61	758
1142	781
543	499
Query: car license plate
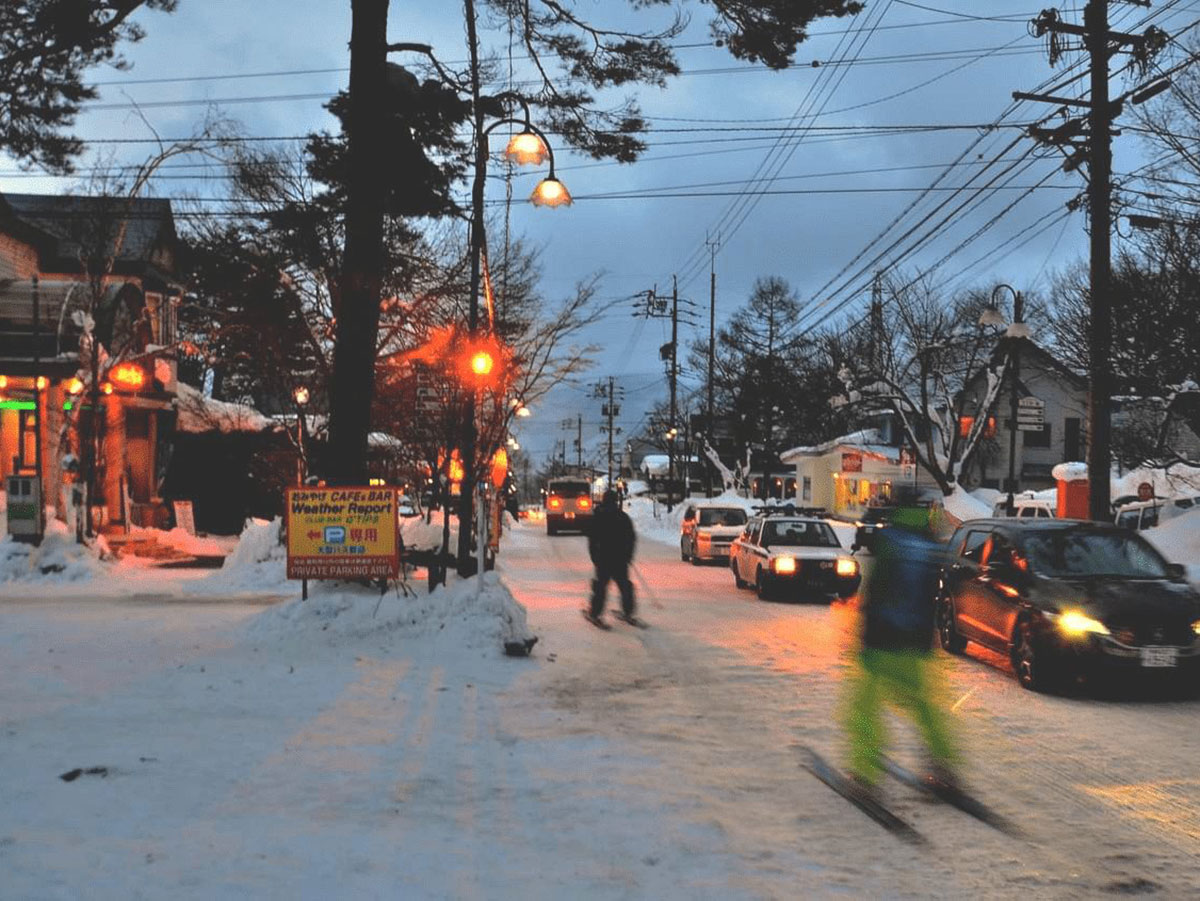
1155	656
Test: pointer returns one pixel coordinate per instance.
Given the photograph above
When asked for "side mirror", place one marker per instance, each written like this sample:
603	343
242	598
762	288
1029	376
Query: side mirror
1176	572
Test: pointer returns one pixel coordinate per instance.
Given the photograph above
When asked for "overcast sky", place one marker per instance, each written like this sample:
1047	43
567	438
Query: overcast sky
804	203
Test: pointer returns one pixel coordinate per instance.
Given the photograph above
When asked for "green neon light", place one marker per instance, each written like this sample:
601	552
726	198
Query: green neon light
16	405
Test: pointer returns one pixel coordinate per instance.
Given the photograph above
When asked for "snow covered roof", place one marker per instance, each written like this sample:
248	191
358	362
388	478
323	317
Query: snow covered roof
199	414
866	441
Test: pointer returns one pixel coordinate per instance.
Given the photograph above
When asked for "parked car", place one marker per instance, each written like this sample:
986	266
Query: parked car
1026	507
792	556
406	507
568	505
1065	598
708	529
1140	515
872	520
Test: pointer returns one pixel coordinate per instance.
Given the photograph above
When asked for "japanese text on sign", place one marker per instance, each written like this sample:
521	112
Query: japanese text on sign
341	533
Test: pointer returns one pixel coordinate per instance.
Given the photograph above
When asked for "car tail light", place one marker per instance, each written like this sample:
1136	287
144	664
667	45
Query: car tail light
554	503
584	502
784	565
847	567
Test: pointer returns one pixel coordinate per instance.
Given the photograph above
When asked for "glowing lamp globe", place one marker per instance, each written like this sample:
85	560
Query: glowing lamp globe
550	192
482	363
526	149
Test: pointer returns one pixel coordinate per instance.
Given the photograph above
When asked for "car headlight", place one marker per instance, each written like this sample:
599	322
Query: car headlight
1196	627
784	566
1075	623
847	567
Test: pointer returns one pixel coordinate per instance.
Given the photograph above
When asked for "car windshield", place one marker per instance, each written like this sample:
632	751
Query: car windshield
723	517
876	514
1080	553
799	534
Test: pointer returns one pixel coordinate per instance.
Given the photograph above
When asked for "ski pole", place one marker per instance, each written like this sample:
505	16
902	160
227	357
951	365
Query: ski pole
654	602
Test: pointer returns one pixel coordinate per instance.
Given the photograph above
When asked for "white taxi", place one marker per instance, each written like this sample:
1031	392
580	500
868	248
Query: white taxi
793	556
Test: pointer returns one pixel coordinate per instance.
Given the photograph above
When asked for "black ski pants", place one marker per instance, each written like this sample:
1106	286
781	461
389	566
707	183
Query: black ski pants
612	572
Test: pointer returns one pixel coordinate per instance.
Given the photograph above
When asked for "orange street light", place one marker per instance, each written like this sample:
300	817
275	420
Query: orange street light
75	386
482	363
300	395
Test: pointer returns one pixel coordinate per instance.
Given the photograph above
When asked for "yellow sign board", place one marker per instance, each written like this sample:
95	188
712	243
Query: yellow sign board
342	533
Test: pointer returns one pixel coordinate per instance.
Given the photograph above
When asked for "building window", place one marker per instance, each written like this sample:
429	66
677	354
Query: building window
807	488
1038	439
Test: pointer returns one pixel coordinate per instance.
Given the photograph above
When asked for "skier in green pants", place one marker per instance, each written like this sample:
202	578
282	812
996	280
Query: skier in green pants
895	657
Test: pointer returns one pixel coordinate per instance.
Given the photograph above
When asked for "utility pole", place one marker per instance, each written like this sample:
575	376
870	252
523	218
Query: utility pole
609	410
656	308
1100	44
579	443
1095	19
712	354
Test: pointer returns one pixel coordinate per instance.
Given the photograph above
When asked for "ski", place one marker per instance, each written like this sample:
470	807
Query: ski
632	620
872	807
595	620
950	794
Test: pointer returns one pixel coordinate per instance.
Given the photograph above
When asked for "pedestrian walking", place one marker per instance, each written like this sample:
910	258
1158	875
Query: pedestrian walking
895	660
611	541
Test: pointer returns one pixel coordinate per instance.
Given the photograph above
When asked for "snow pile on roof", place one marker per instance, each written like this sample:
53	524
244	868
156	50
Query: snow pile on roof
1070	472
58	559
464	612
960	505
257	564
1179	541
198	414
869	440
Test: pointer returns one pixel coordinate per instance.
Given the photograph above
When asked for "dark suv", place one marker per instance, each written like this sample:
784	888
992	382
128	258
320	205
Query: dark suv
1064	598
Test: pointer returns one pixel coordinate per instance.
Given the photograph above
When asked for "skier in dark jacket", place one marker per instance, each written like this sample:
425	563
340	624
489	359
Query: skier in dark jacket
611	540
895	660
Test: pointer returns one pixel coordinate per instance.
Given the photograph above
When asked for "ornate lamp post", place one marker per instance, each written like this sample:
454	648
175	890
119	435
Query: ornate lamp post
529	146
300	396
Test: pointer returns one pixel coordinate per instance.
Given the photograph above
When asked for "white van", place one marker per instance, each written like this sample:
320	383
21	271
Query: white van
1148	514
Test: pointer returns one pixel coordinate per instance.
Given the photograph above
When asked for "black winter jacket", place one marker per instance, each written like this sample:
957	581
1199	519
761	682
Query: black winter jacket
611	537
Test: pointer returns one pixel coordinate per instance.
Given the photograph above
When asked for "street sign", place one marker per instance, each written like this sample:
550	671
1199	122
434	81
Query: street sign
1145	491
1031	414
341	533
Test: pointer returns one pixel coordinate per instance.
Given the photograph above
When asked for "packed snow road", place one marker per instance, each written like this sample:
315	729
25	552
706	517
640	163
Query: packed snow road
716	695
248	752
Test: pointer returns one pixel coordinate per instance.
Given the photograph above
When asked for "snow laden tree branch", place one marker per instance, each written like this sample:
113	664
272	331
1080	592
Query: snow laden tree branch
937	371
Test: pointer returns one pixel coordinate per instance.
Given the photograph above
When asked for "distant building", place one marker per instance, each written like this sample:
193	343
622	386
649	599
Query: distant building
43	241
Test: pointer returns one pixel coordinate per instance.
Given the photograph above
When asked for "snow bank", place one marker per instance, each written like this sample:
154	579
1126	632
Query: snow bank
962	506
1178	481
258	564
467	613
1179	541
183	541
59	558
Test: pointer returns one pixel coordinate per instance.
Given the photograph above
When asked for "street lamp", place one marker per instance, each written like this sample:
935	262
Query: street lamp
528	146
1014	332
300	396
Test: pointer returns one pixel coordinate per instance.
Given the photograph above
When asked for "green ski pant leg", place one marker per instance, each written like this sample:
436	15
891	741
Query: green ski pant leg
864	723
902	678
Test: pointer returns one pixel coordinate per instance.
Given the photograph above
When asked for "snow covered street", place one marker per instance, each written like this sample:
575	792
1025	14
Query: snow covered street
243	760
